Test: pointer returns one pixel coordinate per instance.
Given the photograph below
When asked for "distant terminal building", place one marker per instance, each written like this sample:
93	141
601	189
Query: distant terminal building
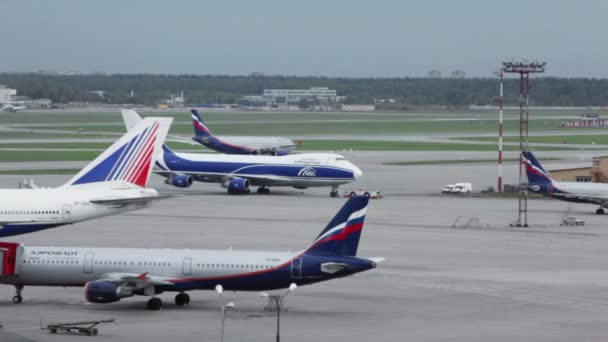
6	94
434	74
591	120
358	108
458	74
596	173
274	97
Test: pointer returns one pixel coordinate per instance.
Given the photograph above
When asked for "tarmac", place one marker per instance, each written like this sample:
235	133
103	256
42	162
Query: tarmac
483	282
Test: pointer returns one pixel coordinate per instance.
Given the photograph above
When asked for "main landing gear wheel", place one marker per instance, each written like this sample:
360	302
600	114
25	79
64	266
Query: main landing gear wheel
17	299
263	190
600	211
154	304
182	299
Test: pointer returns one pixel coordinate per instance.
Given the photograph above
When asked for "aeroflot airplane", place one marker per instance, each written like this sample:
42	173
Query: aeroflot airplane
275	146
579	192
110	274
238	172
113	183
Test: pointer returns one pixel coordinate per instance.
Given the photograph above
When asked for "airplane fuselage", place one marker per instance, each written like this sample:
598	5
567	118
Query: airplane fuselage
578	192
297	170
27	210
184	269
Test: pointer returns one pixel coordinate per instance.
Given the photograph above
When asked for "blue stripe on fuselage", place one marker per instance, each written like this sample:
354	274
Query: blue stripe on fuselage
26	228
277	278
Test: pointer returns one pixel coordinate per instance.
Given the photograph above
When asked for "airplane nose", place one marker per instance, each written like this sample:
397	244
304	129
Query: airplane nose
357	172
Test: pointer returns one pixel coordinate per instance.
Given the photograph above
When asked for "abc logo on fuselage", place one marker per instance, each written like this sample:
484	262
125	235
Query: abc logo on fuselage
307	172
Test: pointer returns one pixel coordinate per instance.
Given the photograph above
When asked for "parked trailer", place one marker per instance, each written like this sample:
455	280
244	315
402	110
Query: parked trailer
81	327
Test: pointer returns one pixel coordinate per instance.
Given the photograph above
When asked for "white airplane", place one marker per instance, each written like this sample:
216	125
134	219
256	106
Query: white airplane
110	274
113	183
275	146
13	107
540	182
237	172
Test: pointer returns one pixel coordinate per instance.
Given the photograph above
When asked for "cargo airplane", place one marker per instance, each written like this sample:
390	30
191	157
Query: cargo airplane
111	274
540	182
113	183
238	172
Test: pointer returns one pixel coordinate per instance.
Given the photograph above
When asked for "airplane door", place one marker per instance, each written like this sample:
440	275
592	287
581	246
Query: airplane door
66	211
296	268
88	262
2	251
187	266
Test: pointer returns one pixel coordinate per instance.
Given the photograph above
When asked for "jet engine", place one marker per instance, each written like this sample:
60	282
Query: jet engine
180	181
105	292
237	186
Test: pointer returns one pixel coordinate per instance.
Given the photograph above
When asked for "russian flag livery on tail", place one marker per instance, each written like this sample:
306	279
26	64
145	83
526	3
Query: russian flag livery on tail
130	159
535	172
342	234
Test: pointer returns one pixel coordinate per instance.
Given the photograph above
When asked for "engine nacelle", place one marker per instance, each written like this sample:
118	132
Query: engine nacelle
180	181
237	186
105	292
280	152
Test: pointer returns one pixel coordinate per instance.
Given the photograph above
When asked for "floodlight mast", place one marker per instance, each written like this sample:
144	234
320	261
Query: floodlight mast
524	69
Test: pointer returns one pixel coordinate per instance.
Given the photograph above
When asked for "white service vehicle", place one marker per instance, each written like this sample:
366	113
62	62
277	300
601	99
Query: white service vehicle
458	188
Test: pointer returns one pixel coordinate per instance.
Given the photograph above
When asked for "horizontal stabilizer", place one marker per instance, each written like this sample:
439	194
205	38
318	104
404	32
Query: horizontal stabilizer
377	260
333	267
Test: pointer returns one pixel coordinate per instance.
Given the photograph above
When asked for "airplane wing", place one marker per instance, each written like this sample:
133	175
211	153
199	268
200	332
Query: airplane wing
134	279
127	201
603	201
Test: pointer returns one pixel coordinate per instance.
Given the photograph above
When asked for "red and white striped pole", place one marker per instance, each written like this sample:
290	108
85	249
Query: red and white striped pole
501	101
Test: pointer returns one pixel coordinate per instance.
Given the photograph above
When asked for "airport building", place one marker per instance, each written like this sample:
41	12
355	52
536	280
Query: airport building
596	173
273	97
6	94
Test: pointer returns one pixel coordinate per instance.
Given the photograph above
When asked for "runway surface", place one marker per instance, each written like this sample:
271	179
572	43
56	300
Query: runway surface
484	283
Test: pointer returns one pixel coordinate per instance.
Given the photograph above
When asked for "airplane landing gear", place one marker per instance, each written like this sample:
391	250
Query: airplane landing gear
334	191
600	211
154	304
182	299
263	190
17	299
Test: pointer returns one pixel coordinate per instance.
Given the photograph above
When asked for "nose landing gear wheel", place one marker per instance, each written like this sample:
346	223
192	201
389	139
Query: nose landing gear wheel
600	211
17	299
154	304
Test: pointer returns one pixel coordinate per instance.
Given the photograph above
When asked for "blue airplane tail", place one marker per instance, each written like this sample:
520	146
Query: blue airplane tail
342	234
200	129
534	170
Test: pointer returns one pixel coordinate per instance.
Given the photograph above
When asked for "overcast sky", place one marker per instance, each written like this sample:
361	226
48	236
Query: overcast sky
380	38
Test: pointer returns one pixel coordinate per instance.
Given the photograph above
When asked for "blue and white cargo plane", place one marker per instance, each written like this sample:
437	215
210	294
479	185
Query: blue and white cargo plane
110	274
113	183
540	182
238	172
275	146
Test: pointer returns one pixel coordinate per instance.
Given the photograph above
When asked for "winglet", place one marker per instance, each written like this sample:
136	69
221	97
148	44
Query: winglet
143	276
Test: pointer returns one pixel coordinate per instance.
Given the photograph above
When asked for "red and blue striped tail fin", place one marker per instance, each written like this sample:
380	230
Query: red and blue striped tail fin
200	129
534	170
131	158
342	234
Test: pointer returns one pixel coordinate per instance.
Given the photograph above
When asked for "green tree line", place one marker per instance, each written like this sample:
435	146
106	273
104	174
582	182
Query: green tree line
199	89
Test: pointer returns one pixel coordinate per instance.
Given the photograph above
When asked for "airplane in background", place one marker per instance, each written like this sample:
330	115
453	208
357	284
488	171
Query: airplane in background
110	274
540	182
13	107
113	183
274	146
238	172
